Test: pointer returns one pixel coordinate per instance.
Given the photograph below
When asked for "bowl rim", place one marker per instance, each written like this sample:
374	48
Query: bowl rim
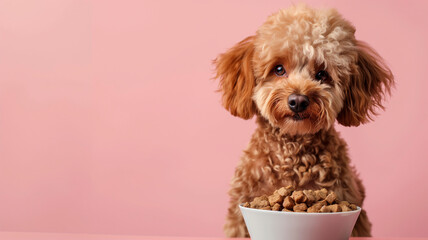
293	213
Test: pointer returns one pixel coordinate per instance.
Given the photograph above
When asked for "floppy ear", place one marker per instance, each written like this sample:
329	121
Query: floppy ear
370	82
235	71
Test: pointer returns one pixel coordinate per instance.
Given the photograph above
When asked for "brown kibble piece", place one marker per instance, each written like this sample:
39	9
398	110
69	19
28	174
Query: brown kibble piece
301	207
331	197
264	203
321	194
260	202
282	191
310	195
276	207
325	209
288	203
353	207
316	207
247	204
345	206
285	191
263	197
275	198
286	210
335	208
312	209
298	197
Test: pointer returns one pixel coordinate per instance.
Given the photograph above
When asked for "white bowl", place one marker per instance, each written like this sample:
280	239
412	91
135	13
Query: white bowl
275	225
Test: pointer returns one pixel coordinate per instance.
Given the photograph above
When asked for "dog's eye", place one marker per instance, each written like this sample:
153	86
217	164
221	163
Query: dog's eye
279	70
322	76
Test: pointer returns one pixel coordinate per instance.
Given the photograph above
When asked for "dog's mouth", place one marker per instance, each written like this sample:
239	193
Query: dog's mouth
299	116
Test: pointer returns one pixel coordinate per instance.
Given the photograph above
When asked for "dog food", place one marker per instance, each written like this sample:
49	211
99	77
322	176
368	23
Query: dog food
312	201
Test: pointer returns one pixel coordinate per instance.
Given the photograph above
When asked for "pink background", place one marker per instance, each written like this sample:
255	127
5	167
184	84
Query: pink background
109	120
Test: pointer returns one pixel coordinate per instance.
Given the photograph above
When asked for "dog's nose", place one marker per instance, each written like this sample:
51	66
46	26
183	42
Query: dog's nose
298	103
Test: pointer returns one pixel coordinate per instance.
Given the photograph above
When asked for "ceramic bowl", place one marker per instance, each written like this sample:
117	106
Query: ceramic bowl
275	225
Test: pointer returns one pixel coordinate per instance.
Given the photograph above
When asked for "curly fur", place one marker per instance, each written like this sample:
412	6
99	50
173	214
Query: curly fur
308	153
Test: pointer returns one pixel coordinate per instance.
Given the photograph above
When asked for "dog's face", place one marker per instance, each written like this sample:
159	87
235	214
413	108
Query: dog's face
303	70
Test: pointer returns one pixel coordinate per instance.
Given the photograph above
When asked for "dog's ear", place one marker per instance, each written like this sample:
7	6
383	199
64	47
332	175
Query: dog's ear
235	71
370	82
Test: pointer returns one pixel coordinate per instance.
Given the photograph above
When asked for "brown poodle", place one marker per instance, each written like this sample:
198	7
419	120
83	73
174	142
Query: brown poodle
301	71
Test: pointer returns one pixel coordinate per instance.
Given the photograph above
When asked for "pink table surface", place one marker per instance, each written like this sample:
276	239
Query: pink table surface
72	236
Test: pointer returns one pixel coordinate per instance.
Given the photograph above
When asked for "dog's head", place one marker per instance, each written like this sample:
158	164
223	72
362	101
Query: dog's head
303	70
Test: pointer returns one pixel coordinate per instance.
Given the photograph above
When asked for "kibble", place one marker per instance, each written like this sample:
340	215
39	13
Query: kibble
287	199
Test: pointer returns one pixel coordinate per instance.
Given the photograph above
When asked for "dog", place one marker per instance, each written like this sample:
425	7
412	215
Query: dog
302	70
